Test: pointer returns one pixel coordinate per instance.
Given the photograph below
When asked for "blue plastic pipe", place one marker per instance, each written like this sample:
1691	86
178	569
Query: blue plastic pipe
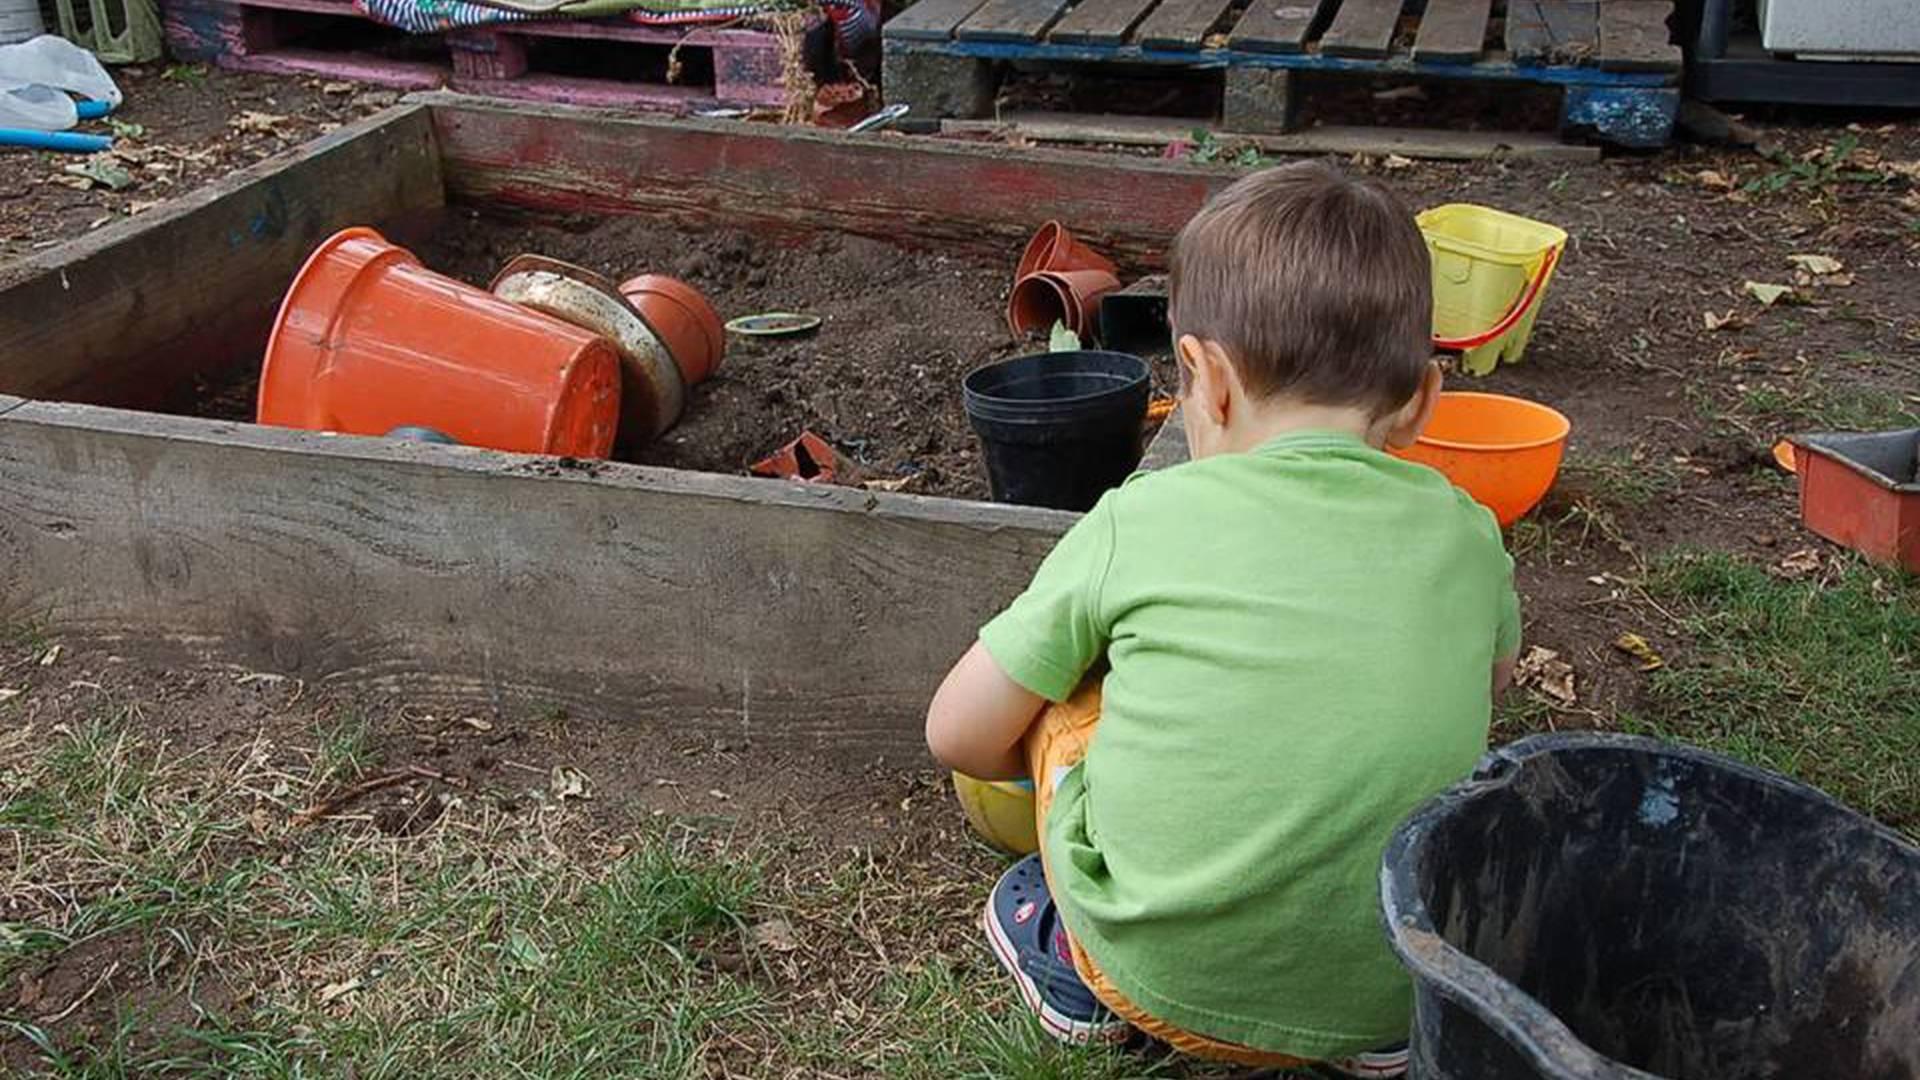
55	140
92	110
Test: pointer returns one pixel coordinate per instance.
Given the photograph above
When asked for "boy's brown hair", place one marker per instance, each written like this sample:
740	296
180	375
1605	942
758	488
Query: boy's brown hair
1315	283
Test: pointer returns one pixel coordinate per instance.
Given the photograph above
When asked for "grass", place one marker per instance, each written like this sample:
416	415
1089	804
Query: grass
1818	678
495	941
1828	406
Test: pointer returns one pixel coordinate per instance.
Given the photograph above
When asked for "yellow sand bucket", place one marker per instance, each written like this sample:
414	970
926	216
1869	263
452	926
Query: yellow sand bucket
1001	812
1490	271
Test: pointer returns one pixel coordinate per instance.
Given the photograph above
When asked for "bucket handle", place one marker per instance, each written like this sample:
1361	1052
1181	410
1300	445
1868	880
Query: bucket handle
1513	315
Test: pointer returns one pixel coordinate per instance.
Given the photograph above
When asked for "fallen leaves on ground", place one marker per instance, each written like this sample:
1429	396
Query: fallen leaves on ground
1798	564
1637	647
1541	670
100	172
8	693
1767	293
1708	178
253	122
1727	321
568	782
776	934
1817	264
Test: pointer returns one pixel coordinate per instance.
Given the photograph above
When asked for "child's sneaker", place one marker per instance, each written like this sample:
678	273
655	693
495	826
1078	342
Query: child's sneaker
1375	1064
1024	929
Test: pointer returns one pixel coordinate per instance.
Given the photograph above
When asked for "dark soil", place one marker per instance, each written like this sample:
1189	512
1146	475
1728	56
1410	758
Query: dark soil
880	379
194	126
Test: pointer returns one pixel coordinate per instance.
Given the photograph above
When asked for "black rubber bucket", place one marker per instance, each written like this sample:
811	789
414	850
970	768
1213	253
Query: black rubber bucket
1058	429
1600	906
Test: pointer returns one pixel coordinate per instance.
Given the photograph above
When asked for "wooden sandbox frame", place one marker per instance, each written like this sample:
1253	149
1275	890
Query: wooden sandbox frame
794	617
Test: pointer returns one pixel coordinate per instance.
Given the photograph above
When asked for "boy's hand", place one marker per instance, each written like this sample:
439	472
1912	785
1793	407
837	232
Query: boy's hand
978	718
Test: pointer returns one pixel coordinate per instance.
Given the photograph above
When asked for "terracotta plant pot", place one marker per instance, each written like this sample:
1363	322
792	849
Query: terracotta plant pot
1070	296
683	319
653	392
368	340
1054	248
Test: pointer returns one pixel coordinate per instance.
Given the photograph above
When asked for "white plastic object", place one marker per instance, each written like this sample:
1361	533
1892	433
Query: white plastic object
39	80
1842	29
20	20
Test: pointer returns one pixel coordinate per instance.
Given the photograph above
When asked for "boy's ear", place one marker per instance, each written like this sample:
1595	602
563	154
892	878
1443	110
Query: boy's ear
1412	418
1208	375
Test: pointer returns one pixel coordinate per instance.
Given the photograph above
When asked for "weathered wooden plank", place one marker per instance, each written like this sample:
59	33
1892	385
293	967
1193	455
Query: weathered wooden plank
1362	28
685	602
8	403
1011	20
930	20
1634	36
1552	31
1100	22
693	173
1452	31
1437	143
190	288
1279	26
1180	24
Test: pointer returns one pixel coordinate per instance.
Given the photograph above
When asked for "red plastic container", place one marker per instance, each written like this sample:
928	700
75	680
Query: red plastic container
368	340
1863	491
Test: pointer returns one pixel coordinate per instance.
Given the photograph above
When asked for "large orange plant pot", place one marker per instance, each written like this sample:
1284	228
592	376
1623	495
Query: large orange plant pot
368	340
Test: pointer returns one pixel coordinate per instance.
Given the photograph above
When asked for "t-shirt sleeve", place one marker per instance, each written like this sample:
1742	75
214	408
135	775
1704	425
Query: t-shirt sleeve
1053	634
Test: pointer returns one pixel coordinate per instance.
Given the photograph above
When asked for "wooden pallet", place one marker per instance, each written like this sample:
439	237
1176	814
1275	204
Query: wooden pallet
330	39
1612	58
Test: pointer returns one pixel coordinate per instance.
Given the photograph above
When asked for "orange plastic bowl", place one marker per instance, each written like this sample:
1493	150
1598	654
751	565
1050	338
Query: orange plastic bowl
1503	451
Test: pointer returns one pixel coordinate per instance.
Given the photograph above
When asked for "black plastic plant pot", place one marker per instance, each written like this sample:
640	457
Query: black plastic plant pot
1058	429
1602	906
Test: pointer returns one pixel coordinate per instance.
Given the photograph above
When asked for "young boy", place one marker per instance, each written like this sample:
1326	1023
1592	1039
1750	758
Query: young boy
1301	636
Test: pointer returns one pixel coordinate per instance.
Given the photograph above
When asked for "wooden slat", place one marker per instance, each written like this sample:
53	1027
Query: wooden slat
961	198
1100	22
1279	26
684	603
1362	28
1180	24
1552	31
1440	144
1452	31
930	20
1634	36
1011	20
190	288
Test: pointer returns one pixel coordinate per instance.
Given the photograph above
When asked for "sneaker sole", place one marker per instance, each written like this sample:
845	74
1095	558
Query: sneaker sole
1062	1027
1375	1066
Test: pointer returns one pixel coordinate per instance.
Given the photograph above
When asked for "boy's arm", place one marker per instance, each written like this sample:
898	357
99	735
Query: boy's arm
1503	673
978	717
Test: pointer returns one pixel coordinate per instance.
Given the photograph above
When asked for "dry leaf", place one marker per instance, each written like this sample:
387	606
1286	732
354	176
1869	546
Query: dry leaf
718	794
1637	647
1542	670
1708	178
52	657
1396	162
1817	264
898	483
102	171
1908	169
334	991
775	934
251	121
8	693
569	783
1718	322
1837	281
1767	294
1799	564
337	88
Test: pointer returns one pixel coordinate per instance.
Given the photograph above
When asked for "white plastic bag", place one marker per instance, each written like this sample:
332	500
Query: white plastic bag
37	78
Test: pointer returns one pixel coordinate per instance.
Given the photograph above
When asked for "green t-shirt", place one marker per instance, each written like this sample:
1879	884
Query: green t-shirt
1301	643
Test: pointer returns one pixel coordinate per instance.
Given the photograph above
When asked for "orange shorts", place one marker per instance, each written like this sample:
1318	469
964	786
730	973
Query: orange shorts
1056	742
